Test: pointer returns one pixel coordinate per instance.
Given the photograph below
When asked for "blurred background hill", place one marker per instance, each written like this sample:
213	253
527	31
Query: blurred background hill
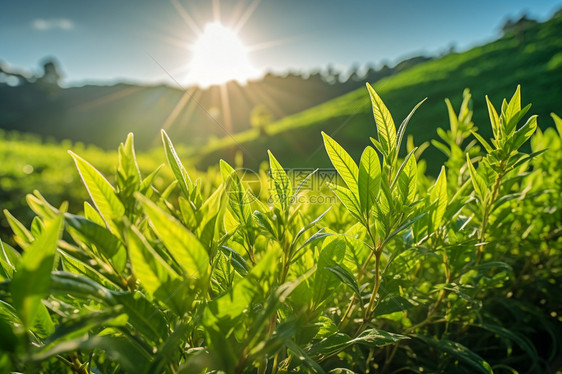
103	115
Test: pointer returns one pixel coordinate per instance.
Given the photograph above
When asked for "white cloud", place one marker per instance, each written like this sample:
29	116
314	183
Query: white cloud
52	23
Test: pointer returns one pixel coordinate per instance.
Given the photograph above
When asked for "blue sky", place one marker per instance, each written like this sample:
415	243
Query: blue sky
146	41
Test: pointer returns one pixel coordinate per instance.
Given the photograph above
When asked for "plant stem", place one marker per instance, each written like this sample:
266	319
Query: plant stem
351	304
371	306
486	215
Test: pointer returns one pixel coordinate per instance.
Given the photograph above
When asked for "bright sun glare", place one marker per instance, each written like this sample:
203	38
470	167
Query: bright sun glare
219	56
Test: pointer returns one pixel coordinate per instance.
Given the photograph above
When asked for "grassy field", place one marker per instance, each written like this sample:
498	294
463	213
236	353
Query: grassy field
533	59
27	163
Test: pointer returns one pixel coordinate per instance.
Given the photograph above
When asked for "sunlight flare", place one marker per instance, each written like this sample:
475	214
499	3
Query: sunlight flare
219	56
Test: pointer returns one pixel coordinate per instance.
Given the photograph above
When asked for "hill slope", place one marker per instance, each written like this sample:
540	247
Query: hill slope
532	58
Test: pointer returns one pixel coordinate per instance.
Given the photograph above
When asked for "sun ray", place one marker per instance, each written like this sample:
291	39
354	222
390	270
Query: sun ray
259	96
217	10
225	102
276	42
191	106
124	92
175	41
177	109
245	16
186	17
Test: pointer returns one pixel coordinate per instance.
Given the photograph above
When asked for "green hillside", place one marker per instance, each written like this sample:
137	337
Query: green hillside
531	57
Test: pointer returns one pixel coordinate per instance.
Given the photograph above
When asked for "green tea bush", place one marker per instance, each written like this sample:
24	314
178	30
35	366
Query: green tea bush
248	273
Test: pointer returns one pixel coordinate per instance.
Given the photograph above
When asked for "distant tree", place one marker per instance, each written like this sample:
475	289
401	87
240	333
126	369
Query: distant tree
51	74
354	75
260	118
518	28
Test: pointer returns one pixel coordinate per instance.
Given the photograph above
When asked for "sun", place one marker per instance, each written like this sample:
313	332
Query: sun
219	56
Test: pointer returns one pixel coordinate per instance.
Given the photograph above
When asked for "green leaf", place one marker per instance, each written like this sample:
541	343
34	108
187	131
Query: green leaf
524	133
401	167
177	168
264	221
494	118
369	179
221	314
9	259
22	235
79	286
557	122
147	265
348	199
32	278
459	352
372	337
9	341
404	124
378	338
92	214
128	173
43	325
93	234
147	182
407	181
438	196
346	277
385	124
310	225
126	352
78	325
281	181
521	340
478	182
238	198
453	119
342	161
303	357
301	184
237	261
144	317
482	141
513	107
101	192
331	254
184	246
402	227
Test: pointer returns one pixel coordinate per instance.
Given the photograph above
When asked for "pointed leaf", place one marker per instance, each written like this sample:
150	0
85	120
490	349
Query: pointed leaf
369	179
478	182
180	242
346	277
524	133
384	122
177	168
342	161
32	278
438	196
281	181
101	192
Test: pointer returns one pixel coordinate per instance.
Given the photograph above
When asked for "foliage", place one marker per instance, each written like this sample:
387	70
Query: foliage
409	273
